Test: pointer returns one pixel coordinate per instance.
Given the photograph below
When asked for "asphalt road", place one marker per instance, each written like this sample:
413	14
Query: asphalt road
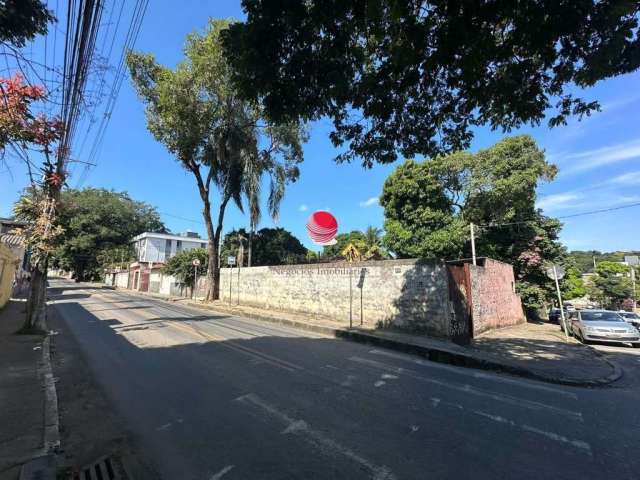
212	397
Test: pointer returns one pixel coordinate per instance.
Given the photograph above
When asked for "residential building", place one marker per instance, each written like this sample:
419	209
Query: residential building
16	244
7	225
159	247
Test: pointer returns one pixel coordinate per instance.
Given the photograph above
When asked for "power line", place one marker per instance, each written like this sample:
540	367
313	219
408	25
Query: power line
609	209
581	214
182	218
129	42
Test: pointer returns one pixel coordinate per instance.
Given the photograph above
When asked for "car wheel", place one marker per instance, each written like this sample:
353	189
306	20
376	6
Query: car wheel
636	345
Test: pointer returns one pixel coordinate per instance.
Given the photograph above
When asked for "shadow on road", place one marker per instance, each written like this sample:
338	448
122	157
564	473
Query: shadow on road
181	402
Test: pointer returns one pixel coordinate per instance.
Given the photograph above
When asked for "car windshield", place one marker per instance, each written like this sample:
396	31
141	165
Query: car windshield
601	317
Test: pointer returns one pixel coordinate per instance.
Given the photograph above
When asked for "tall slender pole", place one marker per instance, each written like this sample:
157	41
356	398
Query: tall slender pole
633	282
195	282
564	322
473	244
350	300
230	279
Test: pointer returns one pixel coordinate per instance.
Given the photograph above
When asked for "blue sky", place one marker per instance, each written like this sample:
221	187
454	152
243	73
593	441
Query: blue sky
597	158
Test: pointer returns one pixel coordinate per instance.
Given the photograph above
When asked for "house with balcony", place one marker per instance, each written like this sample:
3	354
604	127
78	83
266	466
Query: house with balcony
153	250
159	247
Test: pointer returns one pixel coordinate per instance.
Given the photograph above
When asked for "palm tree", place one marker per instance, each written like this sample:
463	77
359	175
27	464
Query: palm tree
372	237
215	134
351	253
373	244
280	172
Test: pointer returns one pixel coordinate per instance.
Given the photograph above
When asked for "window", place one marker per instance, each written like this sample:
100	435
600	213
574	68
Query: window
600	316
178	246
167	248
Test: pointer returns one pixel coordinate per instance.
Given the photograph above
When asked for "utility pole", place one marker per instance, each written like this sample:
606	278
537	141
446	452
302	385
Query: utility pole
473	244
594	263
564	323
195	282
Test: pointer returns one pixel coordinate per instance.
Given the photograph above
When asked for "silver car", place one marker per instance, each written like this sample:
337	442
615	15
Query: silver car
602	326
632	318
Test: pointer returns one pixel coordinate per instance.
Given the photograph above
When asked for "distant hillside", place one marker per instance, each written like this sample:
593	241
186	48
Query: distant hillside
584	259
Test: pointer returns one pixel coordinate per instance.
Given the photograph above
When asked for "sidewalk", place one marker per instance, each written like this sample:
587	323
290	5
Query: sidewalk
537	351
22	396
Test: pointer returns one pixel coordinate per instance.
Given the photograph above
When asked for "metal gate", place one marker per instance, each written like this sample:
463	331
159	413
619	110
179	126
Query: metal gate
144	280
461	326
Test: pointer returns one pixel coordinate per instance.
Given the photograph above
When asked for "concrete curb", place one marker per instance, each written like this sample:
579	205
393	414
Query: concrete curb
434	354
51	434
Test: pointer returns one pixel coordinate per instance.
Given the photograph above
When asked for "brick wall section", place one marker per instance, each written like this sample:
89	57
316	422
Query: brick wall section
404	294
494	301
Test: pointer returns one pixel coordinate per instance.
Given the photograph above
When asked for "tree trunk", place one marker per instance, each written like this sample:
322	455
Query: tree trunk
36	318
216	267
212	252
250	247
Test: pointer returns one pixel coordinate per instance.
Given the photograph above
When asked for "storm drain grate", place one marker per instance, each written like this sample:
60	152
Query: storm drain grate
106	468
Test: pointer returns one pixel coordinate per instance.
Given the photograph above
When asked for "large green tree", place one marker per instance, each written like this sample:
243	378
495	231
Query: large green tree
612	284
97	226
584	260
420	216
430	205
355	237
271	246
418	77
223	140
572	284
181	265
22	20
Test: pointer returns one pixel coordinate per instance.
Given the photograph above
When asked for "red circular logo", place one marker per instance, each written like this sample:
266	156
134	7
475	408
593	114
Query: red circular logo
322	227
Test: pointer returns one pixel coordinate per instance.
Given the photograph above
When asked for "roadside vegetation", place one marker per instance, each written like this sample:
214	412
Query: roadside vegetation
94	228
223	140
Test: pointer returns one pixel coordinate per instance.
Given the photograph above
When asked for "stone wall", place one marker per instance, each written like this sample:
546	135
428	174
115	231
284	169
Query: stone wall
494	301
403	294
456	301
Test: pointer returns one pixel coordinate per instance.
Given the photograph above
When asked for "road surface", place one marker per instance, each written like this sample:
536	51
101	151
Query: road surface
212	397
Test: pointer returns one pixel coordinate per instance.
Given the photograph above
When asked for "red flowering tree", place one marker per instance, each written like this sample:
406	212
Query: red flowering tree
29	131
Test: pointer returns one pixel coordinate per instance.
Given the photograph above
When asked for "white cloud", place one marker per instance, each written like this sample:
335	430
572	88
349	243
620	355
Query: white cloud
629	178
303	208
558	200
591	159
369	202
617	103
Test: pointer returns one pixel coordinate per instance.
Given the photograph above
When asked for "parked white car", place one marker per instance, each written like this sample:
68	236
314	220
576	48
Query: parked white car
632	318
602	326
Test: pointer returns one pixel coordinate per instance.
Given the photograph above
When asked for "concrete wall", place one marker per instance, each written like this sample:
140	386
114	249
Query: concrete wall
155	280
122	279
428	297
494	301
8	264
395	293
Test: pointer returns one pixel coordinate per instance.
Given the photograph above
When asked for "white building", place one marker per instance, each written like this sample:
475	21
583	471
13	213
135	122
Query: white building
160	247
